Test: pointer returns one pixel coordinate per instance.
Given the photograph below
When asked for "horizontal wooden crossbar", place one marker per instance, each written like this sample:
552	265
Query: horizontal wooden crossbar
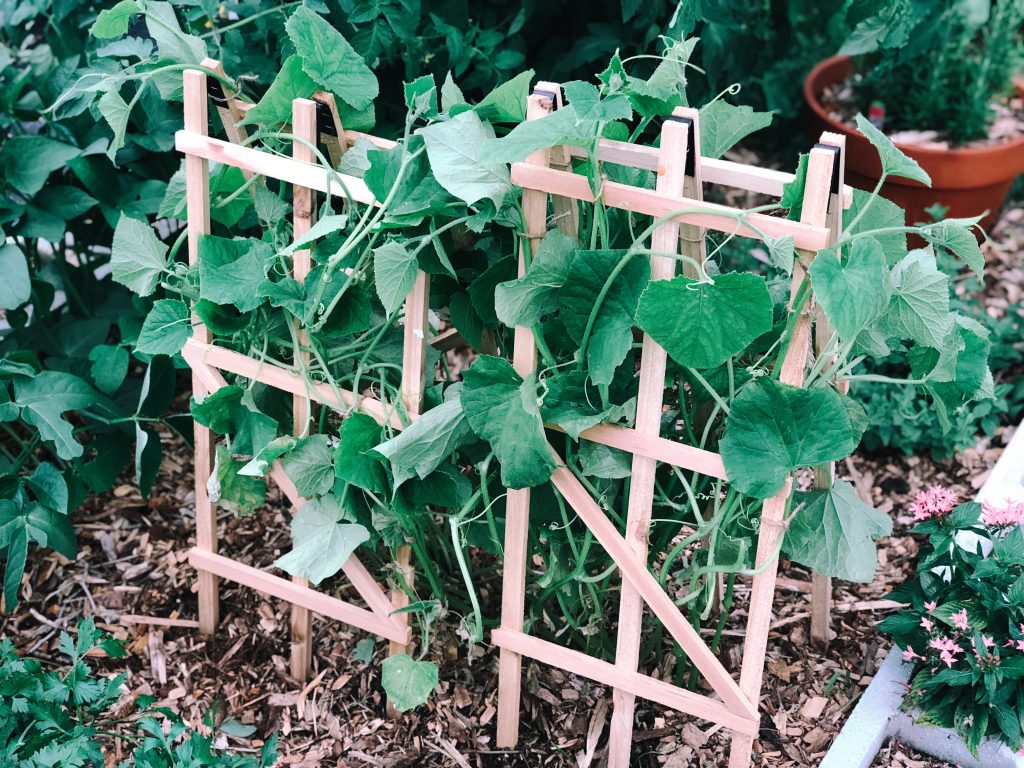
199	354
301	174
296	594
647	201
635	683
767	181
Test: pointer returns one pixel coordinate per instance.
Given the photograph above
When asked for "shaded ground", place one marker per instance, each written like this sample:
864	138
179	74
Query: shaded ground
133	563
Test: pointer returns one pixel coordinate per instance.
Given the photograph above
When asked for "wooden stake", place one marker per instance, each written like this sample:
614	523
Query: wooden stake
303	218
414	358
821	585
197	198
231	115
769	537
517	504
650	398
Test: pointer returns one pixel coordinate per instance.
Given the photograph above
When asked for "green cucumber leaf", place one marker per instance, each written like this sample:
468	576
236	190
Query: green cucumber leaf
919	307
309	464
958	240
856	293
456	149
16	287
232	271
894	162
394	274
353	462
772	429
611	335
137	257
420	448
322	542
502	408
328	58
166	329
43	400
109	367
407	682
525	300
239	494
700	324
722	125
834	532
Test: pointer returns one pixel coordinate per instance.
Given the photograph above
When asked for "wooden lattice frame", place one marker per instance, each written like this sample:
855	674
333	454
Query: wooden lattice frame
208	361
679	186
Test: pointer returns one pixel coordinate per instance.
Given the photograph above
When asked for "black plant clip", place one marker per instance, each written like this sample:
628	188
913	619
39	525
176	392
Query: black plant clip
835	164
691	143
325	125
547	95
215	90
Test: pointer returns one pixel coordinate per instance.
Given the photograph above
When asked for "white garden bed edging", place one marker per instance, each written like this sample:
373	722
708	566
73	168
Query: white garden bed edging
878	717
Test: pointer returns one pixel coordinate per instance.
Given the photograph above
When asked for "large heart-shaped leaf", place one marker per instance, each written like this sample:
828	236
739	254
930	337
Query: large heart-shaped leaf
700	324
322	542
407	682
419	449
328	59
853	294
774	428
834	532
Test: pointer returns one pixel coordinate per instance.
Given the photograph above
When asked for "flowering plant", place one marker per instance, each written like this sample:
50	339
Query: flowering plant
964	626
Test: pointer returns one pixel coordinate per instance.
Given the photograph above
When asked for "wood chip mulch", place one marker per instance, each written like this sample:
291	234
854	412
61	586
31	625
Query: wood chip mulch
133	564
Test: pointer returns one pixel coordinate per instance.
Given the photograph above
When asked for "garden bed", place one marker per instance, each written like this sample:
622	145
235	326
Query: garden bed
133	563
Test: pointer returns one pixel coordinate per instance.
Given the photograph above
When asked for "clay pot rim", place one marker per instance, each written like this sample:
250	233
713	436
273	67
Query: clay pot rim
812	100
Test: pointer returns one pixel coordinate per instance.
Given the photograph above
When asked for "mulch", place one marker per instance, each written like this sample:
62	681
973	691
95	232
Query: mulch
132	564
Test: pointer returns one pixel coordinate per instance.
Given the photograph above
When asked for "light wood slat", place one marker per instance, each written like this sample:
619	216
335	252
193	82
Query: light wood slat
772	528
635	683
647	201
650	398
197	200
766	181
284	589
517	504
303	218
314	177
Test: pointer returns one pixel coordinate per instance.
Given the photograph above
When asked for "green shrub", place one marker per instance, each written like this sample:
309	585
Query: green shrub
67	717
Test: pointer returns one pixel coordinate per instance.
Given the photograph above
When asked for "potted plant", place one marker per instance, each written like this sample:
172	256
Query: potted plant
940	76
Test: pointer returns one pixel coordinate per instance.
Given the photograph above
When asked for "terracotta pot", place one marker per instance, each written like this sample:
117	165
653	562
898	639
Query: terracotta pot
969	181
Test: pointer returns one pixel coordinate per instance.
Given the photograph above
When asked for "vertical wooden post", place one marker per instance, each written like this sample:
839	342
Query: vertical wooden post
197	198
672	160
817	193
414	357
821	585
303	218
517	504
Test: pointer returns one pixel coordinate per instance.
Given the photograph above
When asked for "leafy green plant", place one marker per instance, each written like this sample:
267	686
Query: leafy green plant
64	716
937	65
964	625
448	208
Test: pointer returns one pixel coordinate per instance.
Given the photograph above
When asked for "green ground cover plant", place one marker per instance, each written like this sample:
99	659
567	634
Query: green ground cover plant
449	209
66	716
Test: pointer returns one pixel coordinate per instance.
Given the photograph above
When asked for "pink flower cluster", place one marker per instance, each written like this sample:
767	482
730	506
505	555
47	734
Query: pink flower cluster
1002	517
935	502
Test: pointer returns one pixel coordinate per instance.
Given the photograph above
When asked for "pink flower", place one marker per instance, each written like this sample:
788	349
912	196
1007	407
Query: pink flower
988	641
935	502
1020	645
1002	517
927	624
910	655
947	657
931	606
960	620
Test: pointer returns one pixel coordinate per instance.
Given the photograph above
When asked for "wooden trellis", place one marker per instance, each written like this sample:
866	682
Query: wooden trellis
315	121
544	175
681	172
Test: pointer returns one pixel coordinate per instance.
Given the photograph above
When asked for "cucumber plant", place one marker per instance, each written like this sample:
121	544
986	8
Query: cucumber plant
448	208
